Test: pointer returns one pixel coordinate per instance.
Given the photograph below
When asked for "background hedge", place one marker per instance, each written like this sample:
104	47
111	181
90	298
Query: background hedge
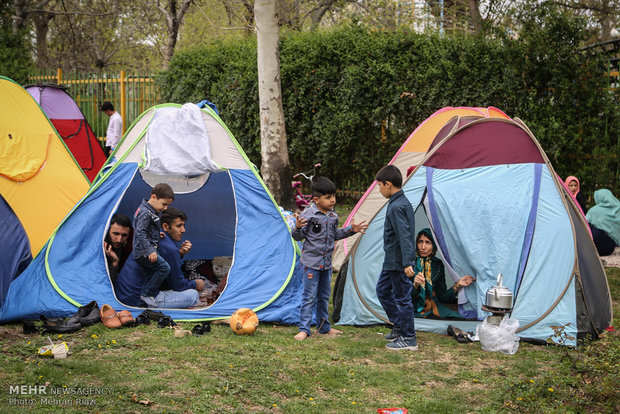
352	96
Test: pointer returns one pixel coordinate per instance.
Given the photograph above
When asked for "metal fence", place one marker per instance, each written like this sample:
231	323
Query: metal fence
130	93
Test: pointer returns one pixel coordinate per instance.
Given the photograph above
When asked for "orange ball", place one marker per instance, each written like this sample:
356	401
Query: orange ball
244	321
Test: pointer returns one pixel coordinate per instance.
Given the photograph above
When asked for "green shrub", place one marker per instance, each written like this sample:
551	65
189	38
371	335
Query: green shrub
15	60
352	96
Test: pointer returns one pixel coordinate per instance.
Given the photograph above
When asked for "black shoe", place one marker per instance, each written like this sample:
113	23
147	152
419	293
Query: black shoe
393	335
142	319
59	325
460	335
202	329
29	327
165	322
86	315
152	315
402	343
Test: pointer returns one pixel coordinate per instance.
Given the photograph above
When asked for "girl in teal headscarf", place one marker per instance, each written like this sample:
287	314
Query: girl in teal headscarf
429	291
604	219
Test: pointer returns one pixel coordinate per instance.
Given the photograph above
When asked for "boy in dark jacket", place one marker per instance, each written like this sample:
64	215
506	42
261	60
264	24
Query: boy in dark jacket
318	225
394	284
146	240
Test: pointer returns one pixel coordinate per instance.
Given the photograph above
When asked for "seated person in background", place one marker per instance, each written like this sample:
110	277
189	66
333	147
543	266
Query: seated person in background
604	220
429	292
573	186
114	243
176	291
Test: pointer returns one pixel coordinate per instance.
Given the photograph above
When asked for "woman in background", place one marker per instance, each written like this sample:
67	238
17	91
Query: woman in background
573	186
604	220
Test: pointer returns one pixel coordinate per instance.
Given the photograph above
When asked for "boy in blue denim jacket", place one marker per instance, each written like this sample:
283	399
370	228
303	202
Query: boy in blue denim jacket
318	225
146	224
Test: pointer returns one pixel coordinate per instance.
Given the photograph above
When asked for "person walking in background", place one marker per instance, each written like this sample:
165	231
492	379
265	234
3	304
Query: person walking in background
395	281
573	186
115	127
604	220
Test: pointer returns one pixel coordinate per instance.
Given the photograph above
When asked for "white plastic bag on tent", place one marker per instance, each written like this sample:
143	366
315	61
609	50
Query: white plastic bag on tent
500	338
177	143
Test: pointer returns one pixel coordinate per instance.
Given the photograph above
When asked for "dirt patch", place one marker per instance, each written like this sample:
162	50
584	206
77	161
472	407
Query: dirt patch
134	336
613	260
12	333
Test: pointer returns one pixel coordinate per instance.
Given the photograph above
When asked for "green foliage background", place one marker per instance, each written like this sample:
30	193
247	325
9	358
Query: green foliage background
15	62
340	86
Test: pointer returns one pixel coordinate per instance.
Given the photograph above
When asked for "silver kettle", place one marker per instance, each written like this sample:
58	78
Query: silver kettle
498	296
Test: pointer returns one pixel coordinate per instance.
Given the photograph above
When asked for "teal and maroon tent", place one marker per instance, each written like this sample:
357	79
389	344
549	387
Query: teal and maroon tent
495	205
69	121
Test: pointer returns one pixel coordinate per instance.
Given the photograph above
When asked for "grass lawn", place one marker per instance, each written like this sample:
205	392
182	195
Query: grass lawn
270	372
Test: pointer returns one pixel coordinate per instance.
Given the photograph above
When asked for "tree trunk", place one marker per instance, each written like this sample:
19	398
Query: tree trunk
42	23
23	10
274	151
174	18
21	14
606	26
317	14
249	16
474	11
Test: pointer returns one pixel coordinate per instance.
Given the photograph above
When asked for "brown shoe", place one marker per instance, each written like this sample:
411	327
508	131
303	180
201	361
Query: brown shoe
109	318
126	318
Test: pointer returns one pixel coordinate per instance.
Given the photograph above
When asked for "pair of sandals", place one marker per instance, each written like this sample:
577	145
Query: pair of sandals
203	328
114	320
149	315
460	335
198	330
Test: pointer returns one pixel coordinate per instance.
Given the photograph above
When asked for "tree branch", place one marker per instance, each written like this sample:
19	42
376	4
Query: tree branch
581	6
58	13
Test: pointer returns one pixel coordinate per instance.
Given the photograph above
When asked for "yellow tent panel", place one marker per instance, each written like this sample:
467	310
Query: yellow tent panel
39	178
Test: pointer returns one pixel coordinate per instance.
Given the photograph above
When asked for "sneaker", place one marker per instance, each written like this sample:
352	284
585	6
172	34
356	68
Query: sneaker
149	300
400	343
393	335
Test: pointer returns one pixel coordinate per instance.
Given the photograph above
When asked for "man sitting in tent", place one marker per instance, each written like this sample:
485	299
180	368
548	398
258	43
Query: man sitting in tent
115	242
176	292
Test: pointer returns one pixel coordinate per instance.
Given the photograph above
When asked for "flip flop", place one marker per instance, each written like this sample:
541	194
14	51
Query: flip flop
202	329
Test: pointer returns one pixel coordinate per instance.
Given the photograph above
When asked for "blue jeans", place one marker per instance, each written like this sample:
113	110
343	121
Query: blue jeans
170	299
394	293
317	288
155	273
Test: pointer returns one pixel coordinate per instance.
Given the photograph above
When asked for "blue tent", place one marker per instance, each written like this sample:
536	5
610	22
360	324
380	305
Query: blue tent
230	210
13	235
494	204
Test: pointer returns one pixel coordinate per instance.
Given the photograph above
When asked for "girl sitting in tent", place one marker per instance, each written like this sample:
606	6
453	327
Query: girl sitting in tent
429	292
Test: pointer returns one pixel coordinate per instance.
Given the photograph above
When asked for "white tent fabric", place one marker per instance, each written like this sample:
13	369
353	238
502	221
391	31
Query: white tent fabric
177	143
